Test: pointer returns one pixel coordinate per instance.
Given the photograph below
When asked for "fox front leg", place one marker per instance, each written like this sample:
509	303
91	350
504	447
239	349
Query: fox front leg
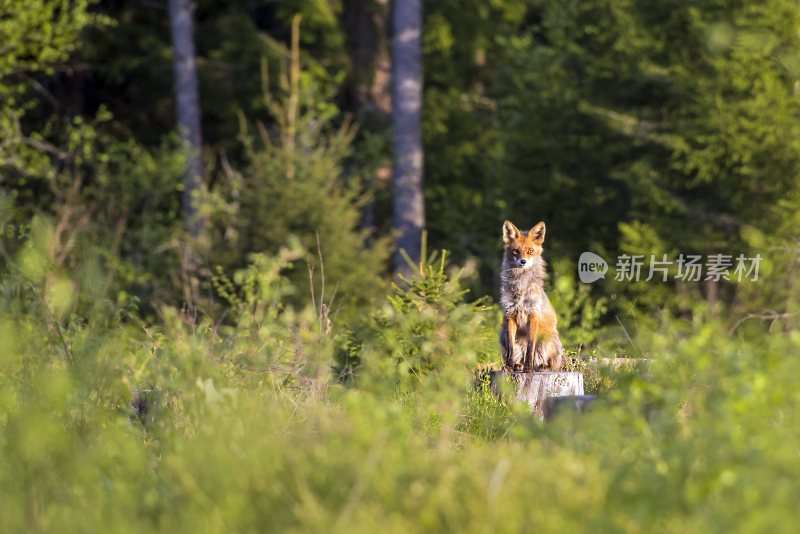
530	354
510	339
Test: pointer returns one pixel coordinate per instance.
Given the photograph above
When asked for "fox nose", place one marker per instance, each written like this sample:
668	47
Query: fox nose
522	262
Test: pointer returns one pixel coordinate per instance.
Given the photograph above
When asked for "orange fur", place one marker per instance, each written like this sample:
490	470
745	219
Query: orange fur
529	336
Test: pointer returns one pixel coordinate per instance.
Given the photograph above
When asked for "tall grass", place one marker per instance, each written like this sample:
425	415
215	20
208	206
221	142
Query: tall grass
251	427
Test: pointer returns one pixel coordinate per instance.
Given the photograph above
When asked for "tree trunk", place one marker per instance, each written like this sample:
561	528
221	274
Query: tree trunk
408	208
535	388
367	27
187	104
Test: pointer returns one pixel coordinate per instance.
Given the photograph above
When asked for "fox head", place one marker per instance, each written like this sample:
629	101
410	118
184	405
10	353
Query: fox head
522	248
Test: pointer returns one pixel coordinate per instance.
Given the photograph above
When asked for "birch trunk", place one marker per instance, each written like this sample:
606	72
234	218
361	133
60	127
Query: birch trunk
187	104
408	209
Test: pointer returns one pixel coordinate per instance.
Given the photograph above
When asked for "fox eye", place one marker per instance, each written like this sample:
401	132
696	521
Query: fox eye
530	251
515	251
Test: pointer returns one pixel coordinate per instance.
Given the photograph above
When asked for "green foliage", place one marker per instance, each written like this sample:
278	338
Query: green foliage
142	391
75	197
246	428
425	332
293	187
610	118
109	205
602	375
579	312
269	336
487	416
39	35
626	126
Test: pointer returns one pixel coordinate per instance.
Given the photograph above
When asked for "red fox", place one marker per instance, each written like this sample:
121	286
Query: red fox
528	338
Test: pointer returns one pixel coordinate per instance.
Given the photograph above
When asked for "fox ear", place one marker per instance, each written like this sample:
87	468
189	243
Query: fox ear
537	233
510	232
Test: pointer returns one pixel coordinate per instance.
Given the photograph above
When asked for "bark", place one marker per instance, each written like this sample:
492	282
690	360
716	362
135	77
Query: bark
712	295
408	210
535	388
187	104
366	22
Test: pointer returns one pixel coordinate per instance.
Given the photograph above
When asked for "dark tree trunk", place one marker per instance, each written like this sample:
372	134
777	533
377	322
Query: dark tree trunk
408	208
367	27
367	24
187	104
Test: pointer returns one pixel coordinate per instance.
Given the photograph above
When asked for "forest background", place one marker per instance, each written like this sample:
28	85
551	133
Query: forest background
283	361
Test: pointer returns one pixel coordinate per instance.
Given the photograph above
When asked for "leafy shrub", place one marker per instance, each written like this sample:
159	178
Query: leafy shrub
424	332
294	185
579	312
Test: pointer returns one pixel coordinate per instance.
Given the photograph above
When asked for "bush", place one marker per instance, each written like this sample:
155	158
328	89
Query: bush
252	430
424	333
295	185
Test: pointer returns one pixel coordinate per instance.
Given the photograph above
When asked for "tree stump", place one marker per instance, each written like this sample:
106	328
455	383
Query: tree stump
534	388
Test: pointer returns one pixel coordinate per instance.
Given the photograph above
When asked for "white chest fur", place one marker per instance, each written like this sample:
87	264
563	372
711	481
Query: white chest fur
522	291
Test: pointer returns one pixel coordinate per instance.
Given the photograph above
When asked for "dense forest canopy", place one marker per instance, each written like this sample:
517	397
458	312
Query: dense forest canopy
629	127
655	130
